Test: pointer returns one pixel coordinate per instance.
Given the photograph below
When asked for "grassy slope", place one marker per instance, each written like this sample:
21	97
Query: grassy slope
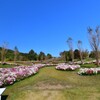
51	84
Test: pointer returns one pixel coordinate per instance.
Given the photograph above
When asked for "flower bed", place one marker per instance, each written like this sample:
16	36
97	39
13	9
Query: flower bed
39	65
89	71
67	67
43	65
10	75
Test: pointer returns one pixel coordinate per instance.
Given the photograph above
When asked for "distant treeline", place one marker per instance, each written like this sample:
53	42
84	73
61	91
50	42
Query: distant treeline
31	55
66	56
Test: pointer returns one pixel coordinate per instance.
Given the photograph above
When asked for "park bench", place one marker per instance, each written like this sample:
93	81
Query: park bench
1	91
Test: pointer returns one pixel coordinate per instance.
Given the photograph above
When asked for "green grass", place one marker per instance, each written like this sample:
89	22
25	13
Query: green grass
6	66
89	65
52	84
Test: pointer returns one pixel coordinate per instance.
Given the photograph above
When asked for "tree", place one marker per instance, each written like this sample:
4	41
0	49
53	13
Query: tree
94	40
49	56
32	55
3	52
76	54
79	45
9	55
92	54
41	56
16	52
65	55
70	44
85	54
23	56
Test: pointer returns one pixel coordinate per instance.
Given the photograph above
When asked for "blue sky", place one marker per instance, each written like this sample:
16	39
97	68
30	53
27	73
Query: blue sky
45	25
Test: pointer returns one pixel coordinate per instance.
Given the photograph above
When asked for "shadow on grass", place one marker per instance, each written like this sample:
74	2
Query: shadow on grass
4	97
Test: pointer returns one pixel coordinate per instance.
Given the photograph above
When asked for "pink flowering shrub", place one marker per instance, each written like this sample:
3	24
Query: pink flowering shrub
42	65
10	75
67	67
89	71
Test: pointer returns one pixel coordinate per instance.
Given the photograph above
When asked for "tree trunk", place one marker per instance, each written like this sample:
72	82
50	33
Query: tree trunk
81	58
97	58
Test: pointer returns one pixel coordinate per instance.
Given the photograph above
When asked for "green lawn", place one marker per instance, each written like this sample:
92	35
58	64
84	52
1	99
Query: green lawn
89	65
52	84
7	66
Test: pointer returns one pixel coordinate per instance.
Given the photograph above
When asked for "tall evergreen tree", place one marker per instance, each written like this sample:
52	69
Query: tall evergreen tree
32	55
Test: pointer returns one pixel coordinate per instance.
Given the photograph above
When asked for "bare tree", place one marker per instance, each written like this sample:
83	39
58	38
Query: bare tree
94	40
16	52
3	52
79	45
64	55
70	44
